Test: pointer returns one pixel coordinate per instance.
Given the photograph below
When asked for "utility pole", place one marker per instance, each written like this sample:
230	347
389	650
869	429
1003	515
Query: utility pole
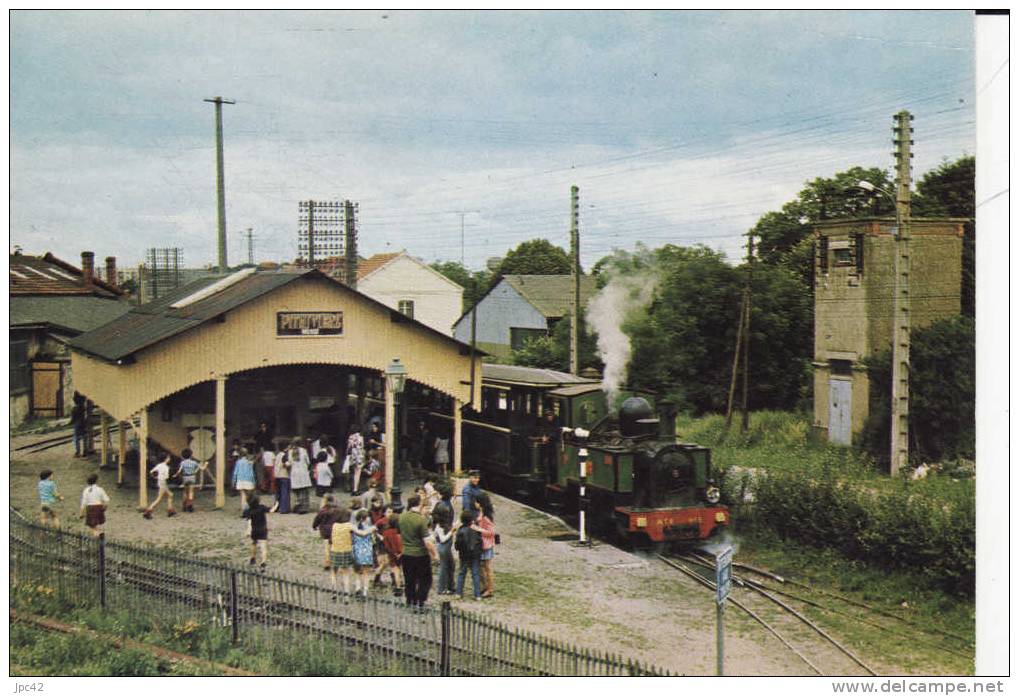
350	244
903	132
220	189
462	214
251	247
742	345
311	234
575	272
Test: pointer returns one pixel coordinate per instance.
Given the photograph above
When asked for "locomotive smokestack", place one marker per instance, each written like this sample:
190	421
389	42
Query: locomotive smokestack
666	420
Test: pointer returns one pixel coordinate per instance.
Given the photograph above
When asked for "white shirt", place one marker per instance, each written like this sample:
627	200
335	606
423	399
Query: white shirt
162	472
323	474
94	495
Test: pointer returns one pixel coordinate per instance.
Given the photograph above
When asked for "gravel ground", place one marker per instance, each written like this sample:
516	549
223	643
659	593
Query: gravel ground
601	598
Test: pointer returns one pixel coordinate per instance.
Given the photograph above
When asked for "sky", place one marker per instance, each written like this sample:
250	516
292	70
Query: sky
678	127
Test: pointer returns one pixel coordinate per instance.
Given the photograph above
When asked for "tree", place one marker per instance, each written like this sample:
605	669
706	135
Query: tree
942	393
553	351
535	257
950	190
474	283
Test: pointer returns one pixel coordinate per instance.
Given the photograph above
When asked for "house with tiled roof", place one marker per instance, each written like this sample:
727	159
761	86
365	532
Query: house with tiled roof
51	302
412	287
520	307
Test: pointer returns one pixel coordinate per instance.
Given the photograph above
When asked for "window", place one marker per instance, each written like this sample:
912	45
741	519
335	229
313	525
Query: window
20	370
842	257
520	337
407	308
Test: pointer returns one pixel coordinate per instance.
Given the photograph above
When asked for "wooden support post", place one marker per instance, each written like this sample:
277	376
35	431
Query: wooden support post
457	436
122	452
220	441
143	458
104	438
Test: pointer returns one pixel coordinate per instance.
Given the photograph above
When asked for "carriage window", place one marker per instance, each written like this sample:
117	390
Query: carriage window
503	405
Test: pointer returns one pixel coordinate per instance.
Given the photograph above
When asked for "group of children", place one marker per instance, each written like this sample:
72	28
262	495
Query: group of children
94	501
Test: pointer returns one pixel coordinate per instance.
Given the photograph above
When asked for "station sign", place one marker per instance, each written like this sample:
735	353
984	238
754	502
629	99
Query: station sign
723	574
309	323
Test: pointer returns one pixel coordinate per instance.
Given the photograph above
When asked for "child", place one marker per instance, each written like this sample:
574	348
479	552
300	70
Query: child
256	512
323	522
355	505
188	471
468	547
48	499
93	506
341	545
162	473
323	474
393	545
244	478
443	534
363	551
369	495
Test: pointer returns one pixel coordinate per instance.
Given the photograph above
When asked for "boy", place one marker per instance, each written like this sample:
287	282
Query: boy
93	505
256	512
188	472
468	546
48	499
162	473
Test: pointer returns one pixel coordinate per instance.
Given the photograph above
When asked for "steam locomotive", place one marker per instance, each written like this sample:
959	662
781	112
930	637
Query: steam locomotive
640	483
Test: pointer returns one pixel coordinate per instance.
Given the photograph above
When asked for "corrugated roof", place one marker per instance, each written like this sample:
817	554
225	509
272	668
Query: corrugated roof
551	294
75	313
158	320
516	374
48	275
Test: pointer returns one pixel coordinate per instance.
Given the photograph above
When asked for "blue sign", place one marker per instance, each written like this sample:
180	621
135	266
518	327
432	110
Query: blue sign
723	574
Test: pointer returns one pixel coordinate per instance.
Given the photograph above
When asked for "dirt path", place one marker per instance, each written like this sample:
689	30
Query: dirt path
600	598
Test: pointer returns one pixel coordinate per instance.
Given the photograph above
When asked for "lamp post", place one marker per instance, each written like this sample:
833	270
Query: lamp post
899	435
396	377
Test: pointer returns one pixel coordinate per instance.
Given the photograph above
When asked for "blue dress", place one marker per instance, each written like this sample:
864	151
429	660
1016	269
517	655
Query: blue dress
364	550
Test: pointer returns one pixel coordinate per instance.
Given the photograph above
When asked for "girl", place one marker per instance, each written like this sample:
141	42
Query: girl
363	551
282	472
300	480
393	545
355	459
161	472
375	446
443	534
323	474
188	472
486	525
244	478
48	498
257	514
442	454
323	522
341	559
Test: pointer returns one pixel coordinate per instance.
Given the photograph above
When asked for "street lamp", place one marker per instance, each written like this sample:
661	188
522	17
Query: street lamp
871	188
396	378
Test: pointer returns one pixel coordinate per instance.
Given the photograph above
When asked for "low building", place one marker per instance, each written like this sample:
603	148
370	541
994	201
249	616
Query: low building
51	302
854	281
411	287
520	307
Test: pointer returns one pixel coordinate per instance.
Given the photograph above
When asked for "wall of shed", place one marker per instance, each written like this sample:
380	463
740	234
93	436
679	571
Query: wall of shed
437	301
246	339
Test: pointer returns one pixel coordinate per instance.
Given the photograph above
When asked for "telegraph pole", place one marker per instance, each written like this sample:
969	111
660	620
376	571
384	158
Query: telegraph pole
220	189
311	234
350	244
746	331
462	214
575	272
903	132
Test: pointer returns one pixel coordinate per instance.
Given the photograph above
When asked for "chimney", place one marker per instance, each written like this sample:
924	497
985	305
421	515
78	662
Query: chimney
111	270
88	267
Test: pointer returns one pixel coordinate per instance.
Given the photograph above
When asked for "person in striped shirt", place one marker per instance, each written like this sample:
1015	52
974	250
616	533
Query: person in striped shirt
188	473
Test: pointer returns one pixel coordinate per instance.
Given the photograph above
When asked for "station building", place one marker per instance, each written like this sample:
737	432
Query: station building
306	354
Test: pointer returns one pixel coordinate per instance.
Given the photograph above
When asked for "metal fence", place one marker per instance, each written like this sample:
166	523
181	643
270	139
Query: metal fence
264	611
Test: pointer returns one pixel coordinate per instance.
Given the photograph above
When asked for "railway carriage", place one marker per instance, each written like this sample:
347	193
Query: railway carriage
640	483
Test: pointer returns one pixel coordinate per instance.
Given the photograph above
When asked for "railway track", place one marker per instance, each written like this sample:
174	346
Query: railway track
64	437
823	654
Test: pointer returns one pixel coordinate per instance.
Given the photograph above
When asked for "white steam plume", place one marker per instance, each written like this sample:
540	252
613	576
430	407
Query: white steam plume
625	293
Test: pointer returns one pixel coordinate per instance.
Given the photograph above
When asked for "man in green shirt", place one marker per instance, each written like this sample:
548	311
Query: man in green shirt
418	553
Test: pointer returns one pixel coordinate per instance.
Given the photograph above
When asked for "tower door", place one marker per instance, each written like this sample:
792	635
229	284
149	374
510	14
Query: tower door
47	389
840	410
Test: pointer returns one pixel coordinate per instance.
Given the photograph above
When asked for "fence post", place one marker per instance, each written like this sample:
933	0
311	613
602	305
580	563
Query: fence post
233	604
446	620
102	570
